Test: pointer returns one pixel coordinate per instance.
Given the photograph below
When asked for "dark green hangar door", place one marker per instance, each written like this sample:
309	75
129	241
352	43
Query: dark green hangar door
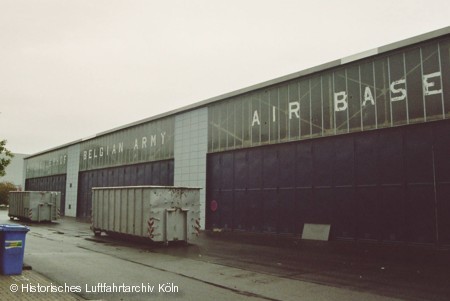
150	173
385	185
50	183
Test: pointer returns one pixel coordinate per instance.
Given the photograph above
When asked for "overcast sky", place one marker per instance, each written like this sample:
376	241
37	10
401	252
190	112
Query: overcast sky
70	69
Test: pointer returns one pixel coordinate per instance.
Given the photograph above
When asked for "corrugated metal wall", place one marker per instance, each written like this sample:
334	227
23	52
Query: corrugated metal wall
151	173
384	185
51	183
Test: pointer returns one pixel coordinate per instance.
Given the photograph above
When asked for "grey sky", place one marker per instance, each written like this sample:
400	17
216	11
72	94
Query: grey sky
73	68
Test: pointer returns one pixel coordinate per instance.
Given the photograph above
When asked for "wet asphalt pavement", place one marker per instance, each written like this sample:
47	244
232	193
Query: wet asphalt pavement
399	271
392	271
407	272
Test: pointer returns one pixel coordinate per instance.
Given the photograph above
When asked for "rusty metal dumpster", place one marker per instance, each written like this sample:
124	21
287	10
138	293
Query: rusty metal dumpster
36	206
158	213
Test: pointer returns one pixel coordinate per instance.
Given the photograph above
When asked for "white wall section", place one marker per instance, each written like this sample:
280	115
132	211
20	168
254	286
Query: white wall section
191	139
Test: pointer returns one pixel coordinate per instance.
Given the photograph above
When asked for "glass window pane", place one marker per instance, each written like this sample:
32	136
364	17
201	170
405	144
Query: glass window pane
283	112
316	106
432	76
368	107
444	49
223	126
256	119
274	115
230	124
120	150
247	119
294	111
382	93
238	122
397	89
265	116
340	101
414	85
354	98
328	111
305	109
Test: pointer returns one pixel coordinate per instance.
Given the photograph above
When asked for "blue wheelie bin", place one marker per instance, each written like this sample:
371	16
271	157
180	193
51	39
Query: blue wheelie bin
12	243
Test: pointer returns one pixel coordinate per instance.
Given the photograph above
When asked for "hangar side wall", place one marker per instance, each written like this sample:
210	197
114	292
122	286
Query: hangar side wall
351	144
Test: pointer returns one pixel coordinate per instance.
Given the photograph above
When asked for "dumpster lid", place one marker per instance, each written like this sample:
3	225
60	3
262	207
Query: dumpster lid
13	227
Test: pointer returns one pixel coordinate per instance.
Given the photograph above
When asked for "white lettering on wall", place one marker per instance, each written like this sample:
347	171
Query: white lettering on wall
138	143
256	118
432	84
427	85
368	97
294	108
340	101
398	90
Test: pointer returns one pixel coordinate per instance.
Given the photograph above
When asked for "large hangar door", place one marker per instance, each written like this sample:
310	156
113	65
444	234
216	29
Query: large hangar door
151	173
254	190
389	185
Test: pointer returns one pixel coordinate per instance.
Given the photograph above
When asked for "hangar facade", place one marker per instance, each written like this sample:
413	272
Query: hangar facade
361	144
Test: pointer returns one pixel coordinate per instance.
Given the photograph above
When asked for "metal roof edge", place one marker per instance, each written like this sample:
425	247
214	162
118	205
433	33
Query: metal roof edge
414	40
208	101
53	149
358	56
